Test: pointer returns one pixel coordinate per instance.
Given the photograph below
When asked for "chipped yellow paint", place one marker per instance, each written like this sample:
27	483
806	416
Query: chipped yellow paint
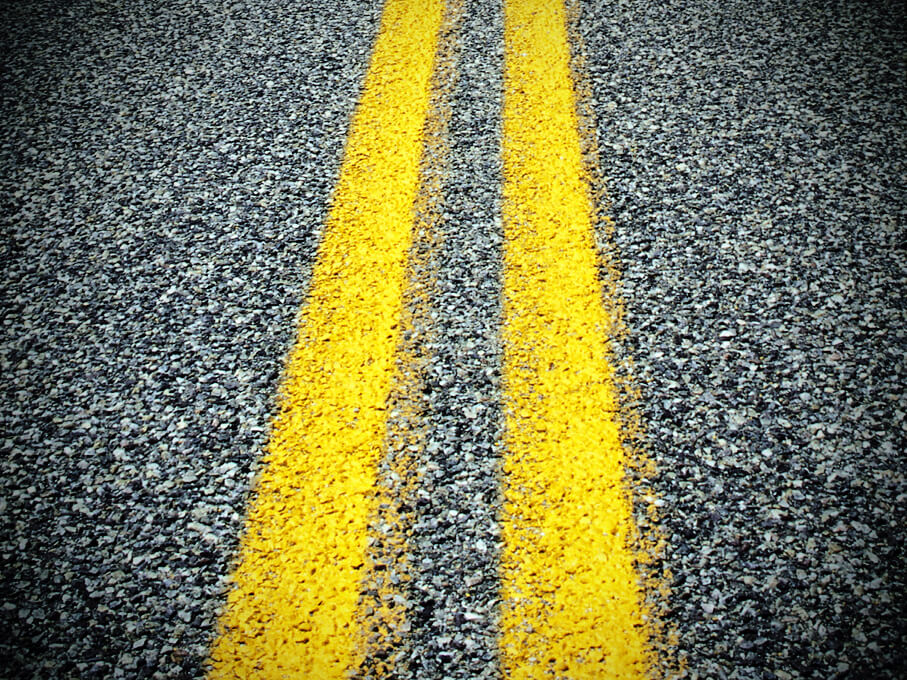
385	615
571	599
292	611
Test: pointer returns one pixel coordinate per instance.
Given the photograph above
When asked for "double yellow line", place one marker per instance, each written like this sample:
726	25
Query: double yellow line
571	603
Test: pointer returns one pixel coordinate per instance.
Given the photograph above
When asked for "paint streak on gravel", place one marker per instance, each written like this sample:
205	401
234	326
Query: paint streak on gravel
294	604
571	600
386	608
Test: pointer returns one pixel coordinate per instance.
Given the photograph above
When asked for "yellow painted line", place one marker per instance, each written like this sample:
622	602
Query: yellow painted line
385	614
571	599
293	609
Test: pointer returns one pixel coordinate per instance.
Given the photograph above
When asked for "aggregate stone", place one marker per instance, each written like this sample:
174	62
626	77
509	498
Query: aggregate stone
755	157
455	529
165	169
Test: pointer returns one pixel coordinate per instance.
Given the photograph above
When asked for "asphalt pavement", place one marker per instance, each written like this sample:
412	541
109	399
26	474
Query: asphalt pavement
165	175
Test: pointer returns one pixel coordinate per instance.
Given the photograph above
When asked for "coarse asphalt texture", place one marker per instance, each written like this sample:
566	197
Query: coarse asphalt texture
165	171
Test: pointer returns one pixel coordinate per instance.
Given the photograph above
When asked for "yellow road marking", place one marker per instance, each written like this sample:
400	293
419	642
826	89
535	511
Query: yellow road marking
292	612
571	601
385	615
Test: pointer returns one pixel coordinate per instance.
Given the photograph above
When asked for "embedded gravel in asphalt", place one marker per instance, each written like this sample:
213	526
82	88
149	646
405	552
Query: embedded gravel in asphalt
756	156
164	171
455	530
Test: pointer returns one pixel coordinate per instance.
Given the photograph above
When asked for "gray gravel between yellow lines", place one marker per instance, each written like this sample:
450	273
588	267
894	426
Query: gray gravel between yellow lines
455	533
